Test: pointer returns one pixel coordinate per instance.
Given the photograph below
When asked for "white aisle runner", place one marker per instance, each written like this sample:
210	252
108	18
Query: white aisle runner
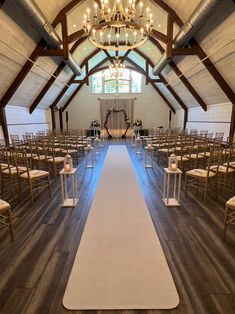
120	263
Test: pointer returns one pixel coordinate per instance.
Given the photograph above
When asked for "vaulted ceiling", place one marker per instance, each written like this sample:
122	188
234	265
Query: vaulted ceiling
35	77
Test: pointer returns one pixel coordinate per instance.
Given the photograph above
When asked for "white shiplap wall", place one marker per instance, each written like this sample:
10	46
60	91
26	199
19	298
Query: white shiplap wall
149	107
20	121
179	118
215	119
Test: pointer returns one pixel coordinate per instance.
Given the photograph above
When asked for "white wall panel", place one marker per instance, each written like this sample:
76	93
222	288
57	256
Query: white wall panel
216	119
20	121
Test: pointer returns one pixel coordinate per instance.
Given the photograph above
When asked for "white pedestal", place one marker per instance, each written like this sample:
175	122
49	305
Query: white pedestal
176	177
148	157
73	199
89	151
138	144
97	146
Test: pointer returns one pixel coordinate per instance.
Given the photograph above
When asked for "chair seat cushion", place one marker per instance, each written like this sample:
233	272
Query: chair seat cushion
40	157
194	156
166	150
34	174
231	203
231	164
221	169
13	170
56	159
184	158
4	206
200	173
70	151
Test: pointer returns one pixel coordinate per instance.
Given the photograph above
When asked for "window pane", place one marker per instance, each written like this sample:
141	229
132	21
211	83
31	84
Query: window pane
124	83
136	82
96	83
109	88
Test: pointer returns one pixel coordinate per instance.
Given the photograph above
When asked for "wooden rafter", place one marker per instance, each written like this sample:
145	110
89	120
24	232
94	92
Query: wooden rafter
64	90
64	26
125	55
170	89
46	87
169	36
108	55
72	96
21	75
188	85
53	78
33	57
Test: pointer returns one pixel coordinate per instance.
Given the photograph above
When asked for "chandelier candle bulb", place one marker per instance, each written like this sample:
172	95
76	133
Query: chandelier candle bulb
116	18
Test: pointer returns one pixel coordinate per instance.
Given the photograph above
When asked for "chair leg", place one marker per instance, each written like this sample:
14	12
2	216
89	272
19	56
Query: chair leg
10	224
49	185
205	193
186	185
31	191
225	222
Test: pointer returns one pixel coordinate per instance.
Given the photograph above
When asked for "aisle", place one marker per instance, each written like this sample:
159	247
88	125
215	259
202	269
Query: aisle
120	263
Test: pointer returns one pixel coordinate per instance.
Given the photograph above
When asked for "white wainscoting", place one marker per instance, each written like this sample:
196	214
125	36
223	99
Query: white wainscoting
215	119
19	120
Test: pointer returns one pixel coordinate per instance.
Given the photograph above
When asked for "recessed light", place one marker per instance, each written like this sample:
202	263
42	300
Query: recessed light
159	25
74	25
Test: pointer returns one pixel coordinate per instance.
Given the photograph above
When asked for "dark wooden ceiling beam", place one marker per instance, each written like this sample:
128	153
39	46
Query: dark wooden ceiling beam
188	85
64	11
22	74
53	119
158	35
213	71
52	79
72	97
46	87
232	123
183	51
163	80
76	35
64	26
163	97
169	36
64	90
108	56
125	55
51	52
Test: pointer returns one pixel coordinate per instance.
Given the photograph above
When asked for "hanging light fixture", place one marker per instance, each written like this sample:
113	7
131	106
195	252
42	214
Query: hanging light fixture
115	28
115	76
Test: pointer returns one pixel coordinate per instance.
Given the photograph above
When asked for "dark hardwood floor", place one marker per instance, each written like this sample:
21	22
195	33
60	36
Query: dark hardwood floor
35	268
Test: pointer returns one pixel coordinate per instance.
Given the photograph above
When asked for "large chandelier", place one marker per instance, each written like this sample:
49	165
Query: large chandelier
115	28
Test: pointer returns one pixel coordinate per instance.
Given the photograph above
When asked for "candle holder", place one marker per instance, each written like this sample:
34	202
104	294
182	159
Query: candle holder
173	162
68	163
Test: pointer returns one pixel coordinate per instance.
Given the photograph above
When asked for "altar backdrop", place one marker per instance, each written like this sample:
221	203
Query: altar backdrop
116	121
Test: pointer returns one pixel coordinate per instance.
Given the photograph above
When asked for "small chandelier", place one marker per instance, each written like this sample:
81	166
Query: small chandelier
116	28
115	74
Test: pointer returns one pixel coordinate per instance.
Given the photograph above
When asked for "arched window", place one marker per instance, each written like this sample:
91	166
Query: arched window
130	82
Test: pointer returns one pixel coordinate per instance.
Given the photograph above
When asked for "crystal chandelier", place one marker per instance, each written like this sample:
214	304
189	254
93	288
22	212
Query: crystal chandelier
115	28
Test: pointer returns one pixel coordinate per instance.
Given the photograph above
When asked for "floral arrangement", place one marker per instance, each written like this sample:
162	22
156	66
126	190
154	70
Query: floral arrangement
95	123
137	122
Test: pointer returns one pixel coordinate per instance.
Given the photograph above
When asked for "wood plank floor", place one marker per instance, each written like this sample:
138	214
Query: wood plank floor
35	268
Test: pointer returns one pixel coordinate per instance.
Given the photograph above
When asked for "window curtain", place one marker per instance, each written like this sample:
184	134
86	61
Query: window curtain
116	121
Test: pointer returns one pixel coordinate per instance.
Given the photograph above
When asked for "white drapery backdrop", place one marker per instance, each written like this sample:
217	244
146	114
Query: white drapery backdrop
116	121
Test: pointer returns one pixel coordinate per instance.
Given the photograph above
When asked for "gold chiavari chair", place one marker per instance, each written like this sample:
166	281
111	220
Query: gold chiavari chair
229	216
35	179
200	178
6	218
